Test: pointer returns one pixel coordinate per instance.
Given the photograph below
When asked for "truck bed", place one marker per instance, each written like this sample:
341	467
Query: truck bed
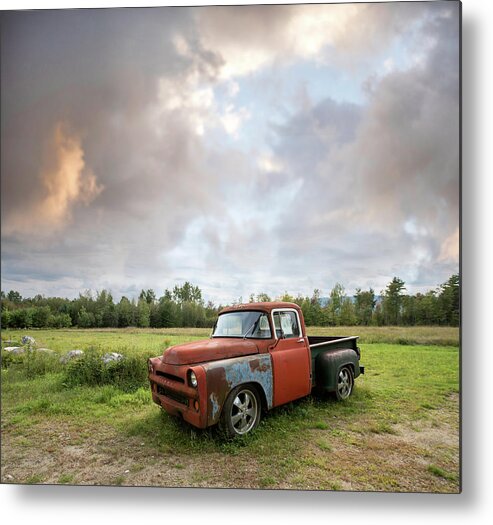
319	344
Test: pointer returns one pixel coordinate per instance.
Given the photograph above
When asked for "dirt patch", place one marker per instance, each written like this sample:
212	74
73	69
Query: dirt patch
417	456
105	457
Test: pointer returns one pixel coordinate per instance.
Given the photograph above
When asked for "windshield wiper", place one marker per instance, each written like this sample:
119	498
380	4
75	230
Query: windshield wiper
252	327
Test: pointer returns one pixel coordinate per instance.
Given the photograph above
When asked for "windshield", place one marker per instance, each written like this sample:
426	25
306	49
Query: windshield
252	325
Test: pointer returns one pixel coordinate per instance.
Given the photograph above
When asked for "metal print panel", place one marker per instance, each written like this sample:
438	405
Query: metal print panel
230	246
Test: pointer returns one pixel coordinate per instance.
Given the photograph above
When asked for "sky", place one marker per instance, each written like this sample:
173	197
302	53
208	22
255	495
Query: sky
245	149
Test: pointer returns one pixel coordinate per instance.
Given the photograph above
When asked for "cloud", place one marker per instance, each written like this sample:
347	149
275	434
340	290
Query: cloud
177	161
232	119
133	109
66	182
449	251
249	38
381	179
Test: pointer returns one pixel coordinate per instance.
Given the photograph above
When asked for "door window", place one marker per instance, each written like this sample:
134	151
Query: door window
286	324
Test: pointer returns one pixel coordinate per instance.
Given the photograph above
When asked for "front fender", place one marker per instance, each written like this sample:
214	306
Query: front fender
224	375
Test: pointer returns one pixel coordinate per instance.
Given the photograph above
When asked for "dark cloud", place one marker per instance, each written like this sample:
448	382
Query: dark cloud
97	75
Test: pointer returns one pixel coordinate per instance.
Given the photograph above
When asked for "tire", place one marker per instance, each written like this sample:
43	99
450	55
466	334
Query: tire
344	383
241	411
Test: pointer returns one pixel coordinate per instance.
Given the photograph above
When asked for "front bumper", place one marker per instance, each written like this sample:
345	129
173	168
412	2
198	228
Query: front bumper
170	389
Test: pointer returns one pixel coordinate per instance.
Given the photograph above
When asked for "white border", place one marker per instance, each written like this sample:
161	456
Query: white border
74	505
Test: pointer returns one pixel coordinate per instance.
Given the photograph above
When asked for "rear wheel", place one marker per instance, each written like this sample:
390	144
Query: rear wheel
241	411
345	383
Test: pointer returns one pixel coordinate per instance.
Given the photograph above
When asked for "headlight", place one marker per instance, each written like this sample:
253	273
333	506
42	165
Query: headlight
150	368
192	378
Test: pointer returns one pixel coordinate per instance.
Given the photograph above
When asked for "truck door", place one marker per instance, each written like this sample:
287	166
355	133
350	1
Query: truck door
290	358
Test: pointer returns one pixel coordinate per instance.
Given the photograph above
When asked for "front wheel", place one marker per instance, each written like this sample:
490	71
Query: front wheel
345	383
241	411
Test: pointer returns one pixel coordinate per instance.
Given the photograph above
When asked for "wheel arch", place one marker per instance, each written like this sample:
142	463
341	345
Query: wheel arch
328	364
258	388
226	375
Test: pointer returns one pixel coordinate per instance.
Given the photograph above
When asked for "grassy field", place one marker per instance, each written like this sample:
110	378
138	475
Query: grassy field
398	432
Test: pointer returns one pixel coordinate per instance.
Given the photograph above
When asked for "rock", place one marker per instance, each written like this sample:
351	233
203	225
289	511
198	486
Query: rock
15	349
72	354
28	340
113	356
45	350
9	477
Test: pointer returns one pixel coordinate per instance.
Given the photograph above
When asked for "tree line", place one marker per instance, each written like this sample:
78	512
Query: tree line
184	306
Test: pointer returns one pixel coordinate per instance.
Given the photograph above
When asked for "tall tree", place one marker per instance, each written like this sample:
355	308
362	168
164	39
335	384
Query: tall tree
148	296
365	302
347	316
187	293
449	301
337	295
125	313
14	296
143	314
315	314
392	301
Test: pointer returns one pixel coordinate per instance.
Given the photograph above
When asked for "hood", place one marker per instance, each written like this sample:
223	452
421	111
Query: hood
208	350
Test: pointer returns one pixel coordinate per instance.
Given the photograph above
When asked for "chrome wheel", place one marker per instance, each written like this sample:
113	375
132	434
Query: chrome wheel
344	383
244	411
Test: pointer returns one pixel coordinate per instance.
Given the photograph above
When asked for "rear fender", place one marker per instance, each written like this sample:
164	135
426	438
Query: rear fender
222	376
328	364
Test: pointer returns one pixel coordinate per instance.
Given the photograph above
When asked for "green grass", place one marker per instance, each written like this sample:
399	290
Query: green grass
403	335
154	340
441	473
66	479
35	479
306	444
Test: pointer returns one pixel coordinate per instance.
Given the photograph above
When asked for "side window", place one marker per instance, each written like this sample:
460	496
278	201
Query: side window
286	324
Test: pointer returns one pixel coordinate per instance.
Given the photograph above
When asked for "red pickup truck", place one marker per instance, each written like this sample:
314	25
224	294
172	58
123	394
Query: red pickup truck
258	357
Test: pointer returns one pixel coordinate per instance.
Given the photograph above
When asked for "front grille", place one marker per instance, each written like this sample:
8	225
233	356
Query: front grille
179	398
171	377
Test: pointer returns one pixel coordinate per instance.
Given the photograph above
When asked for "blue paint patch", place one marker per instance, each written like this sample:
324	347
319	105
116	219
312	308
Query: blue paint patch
249	369
215	405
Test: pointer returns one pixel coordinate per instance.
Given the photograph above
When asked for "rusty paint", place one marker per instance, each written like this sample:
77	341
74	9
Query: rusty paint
208	350
255	365
176	396
292	368
217	390
262	307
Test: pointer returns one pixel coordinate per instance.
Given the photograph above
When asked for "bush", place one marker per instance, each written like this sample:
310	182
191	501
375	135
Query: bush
5	319
36	363
60	321
21	318
9	359
32	362
128	374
